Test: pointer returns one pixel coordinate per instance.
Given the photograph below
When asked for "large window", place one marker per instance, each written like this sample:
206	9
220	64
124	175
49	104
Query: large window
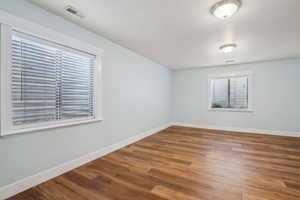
231	92
47	83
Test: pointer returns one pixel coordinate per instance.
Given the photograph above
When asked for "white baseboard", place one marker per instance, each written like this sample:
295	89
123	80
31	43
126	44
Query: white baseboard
237	129
31	181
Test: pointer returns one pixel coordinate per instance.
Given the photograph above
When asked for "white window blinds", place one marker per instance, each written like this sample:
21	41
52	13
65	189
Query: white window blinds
239	92
230	92
50	82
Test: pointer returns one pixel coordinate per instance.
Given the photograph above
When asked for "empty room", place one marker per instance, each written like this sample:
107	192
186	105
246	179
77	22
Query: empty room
149	100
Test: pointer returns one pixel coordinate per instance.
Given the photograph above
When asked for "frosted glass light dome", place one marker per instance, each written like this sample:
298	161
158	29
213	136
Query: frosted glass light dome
228	48
225	8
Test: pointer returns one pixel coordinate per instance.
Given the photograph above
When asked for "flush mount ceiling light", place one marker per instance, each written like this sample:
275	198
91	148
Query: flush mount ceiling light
227	48
225	8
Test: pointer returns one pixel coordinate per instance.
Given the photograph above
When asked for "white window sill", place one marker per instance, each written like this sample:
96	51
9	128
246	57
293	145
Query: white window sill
230	110
58	124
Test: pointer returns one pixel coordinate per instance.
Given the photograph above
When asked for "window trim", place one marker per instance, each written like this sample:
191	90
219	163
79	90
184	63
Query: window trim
10	22
212	77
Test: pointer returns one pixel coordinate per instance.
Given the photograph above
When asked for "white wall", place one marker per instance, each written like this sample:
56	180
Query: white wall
276	97
136	98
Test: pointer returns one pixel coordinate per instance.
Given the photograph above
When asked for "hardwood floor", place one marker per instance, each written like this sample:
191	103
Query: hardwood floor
182	163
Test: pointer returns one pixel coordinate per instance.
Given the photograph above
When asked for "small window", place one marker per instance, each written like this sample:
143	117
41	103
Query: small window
49	84
230	92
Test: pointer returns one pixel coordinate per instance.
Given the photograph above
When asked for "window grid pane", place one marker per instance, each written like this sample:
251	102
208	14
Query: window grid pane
75	86
239	92
33	86
220	93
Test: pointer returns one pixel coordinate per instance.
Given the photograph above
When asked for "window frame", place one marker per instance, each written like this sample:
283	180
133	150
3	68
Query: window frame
213	77
8	23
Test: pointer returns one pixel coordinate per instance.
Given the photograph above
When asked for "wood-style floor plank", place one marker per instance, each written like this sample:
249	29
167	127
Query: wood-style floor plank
181	163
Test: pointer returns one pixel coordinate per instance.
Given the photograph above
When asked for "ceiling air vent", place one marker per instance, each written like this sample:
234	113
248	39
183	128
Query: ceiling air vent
230	61
73	11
